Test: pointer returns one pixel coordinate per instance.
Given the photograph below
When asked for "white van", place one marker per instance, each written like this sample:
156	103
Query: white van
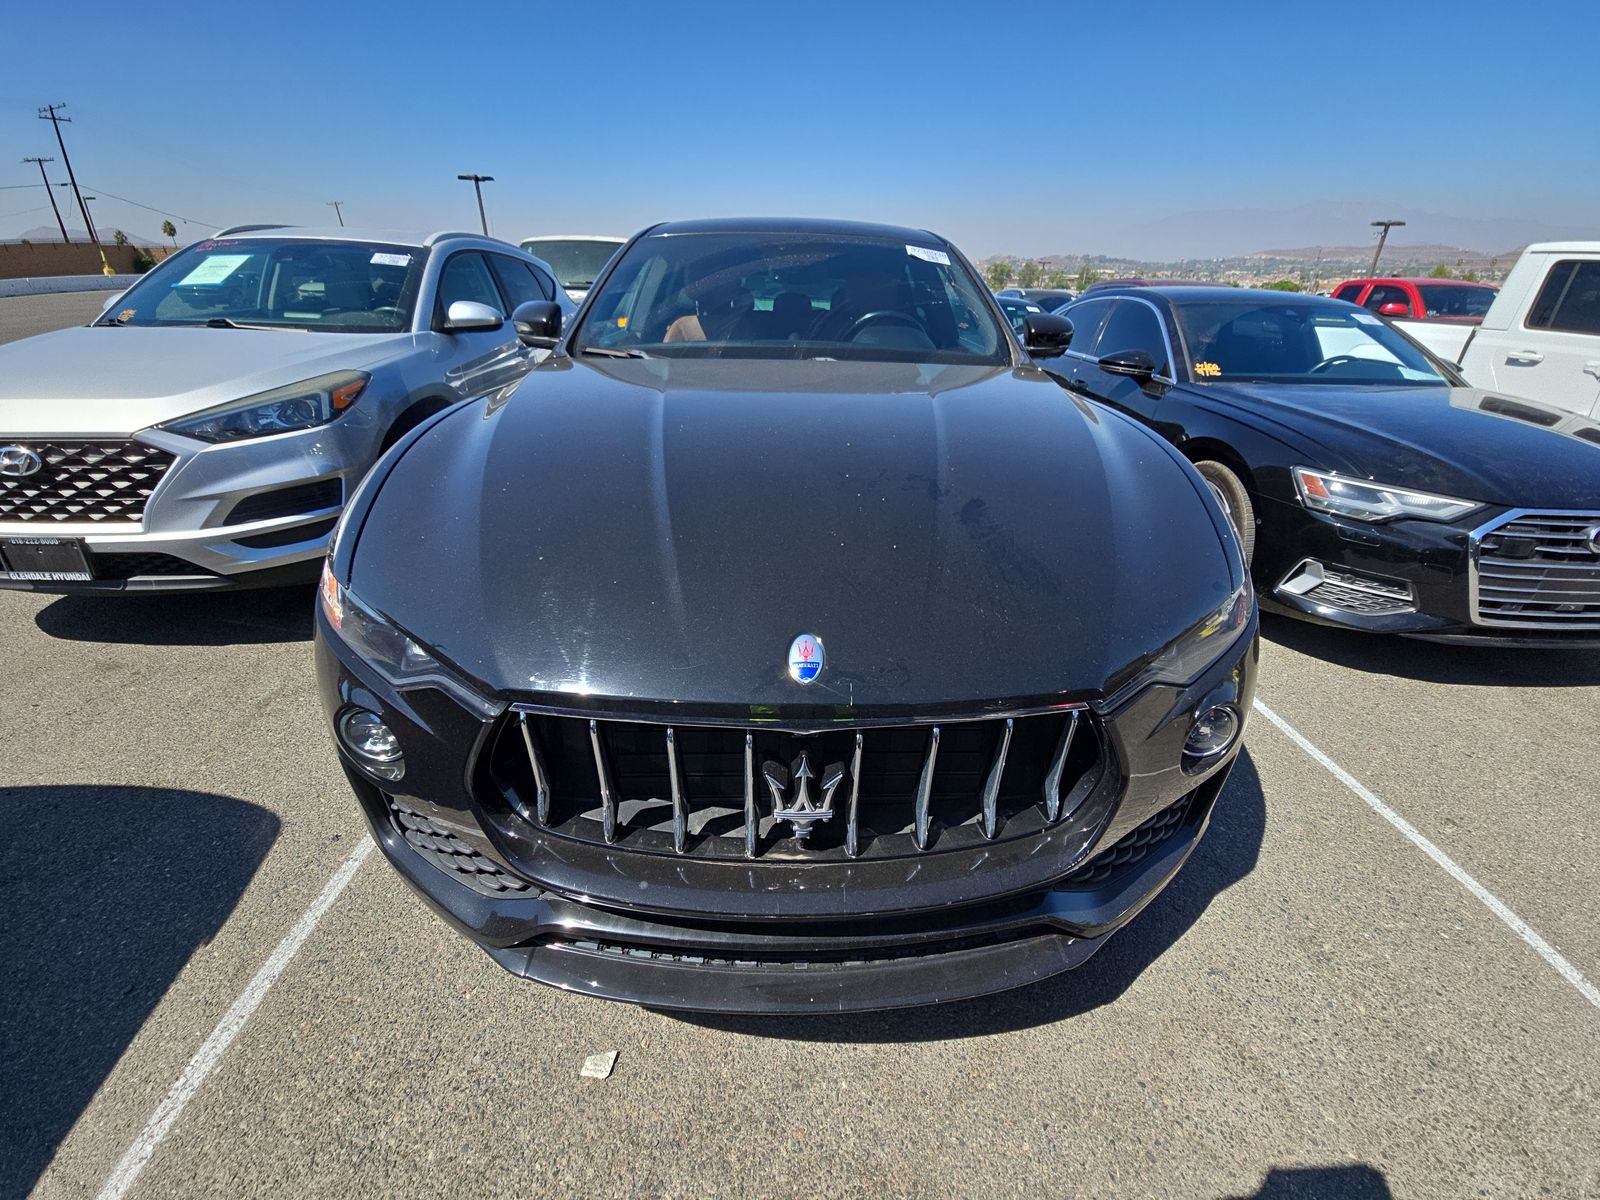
1541	337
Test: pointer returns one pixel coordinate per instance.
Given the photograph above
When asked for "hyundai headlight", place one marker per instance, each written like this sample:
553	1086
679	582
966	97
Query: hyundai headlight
282	410
392	653
1326	492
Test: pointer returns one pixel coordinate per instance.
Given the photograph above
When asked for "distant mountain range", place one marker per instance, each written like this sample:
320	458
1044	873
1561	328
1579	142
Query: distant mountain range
52	233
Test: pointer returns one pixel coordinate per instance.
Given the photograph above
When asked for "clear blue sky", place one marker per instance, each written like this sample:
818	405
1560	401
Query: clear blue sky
1141	128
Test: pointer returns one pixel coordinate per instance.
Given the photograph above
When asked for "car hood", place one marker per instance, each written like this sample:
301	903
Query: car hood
662	530
107	380
1461	442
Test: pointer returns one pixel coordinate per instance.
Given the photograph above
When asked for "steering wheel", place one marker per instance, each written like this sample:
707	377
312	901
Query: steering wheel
1336	360
882	316
389	310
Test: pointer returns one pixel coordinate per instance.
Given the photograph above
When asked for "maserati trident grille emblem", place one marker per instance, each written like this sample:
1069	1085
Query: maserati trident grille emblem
801	809
805	658
19	462
1594	539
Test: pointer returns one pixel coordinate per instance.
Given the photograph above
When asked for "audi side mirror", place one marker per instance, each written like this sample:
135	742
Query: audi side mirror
465	315
1136	364
1045	335
1394	309
538	323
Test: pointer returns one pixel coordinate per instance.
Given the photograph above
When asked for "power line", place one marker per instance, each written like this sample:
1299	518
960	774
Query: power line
163	212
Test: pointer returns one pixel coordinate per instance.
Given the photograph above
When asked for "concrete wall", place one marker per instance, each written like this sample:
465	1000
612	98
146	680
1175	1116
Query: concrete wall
18	261
66	283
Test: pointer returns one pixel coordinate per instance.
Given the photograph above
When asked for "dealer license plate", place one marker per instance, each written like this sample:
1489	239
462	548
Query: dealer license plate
44	559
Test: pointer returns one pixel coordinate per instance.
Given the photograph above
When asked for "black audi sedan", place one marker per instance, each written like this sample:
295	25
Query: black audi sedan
787	641
1370	487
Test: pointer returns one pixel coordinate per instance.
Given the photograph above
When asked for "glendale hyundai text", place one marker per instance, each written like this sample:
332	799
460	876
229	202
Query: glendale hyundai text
786	641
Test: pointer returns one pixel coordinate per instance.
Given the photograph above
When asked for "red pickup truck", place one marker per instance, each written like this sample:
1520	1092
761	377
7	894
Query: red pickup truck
1439	313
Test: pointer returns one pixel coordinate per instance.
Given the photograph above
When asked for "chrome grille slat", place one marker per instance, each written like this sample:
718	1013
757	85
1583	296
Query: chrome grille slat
1553	581
731	792
608	797
925	790
991	785
1058	763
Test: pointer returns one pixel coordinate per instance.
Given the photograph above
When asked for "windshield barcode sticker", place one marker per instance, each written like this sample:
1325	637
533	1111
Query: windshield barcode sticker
391	260
933	256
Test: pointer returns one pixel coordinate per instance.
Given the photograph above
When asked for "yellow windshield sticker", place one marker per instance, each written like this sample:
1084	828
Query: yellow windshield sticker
1207	370
127	314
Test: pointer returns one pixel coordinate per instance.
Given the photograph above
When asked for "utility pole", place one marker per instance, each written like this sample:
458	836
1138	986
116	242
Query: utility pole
1382	238
49	113
477	185
50	194
334	204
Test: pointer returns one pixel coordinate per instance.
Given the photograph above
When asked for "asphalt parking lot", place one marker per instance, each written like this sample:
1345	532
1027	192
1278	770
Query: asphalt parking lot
1317	1007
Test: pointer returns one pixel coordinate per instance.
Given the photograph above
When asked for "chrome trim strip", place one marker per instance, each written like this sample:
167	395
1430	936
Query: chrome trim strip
991	785
1058	764
541	782
796	726
608	798
680	807
852	830
749	795
925	789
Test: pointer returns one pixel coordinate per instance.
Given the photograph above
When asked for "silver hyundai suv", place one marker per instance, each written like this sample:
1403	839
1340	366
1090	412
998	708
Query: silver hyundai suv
206	430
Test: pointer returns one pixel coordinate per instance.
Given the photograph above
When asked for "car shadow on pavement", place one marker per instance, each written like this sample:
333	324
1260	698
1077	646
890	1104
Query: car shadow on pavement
107	893
1226	854
184	619
1357	1181
1434	662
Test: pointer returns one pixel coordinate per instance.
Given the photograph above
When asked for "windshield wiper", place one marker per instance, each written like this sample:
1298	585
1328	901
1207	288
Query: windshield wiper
607	352
230	323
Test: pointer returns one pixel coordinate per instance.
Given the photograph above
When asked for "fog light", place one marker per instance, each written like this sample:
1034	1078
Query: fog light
1213	732
373	743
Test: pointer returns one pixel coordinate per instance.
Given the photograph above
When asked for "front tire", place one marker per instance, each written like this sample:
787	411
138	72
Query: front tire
1235	500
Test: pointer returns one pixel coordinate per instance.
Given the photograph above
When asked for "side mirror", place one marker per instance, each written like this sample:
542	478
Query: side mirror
1045	335
465	315
1136	364
106	307
538	323
1394	309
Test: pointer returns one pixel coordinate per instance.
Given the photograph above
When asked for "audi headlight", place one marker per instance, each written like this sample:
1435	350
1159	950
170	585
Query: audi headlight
1326	492
282	410
391	652
1184	658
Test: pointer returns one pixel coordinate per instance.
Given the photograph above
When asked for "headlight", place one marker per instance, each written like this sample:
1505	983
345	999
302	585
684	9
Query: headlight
298	406
390	652
1191	652
1347	497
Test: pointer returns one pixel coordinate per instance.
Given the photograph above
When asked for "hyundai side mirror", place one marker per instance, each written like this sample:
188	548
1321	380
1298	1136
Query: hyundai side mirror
465	315
1045	335
538	323
1136	364
1394	309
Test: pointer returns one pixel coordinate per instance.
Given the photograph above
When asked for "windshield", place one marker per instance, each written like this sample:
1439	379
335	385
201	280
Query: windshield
576	261
1232	340
288	283
792	295
1455	300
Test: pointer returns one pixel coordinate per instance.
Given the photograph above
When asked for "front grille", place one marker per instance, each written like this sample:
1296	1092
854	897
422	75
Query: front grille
1133	847
1537	570
733	791
450	854
98	482
138	566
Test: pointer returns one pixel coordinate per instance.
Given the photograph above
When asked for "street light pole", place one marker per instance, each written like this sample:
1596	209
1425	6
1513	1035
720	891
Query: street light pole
337	211
50	195
1382	238
477	185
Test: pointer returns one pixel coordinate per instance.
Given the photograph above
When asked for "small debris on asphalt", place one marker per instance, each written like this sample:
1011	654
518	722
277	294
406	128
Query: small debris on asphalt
598	1066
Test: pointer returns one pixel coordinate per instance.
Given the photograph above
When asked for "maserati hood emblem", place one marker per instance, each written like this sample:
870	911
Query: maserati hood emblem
798	805
19	462
805	658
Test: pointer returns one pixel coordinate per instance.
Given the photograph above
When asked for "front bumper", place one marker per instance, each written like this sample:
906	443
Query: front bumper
783	936
244	514
1428	562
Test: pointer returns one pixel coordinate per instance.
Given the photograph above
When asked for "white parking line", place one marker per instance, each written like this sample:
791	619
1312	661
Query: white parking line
1490	901
214	1047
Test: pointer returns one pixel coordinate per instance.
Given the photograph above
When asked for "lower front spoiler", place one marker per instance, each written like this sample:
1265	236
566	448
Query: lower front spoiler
287	575
717	964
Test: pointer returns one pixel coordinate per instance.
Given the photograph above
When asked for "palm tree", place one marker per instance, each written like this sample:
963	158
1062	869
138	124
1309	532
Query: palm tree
168	229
